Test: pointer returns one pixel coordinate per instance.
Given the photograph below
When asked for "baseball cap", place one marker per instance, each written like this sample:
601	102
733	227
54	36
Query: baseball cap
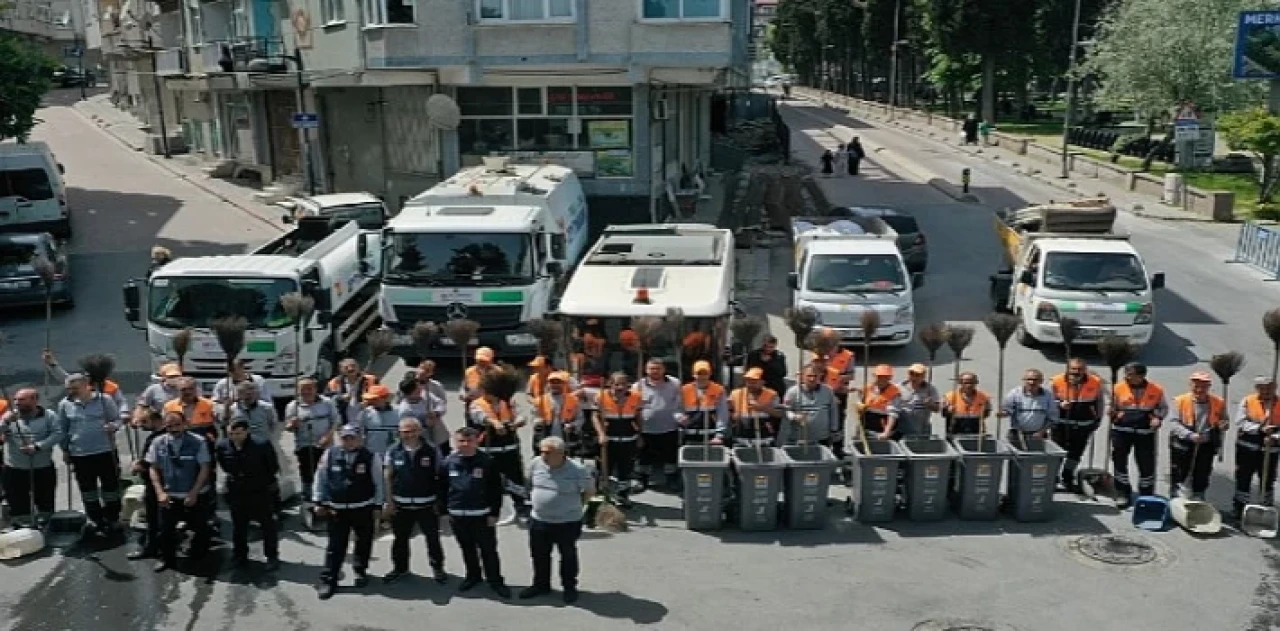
754	373
1201	375
348	431
917	369
884	370
559	375
377	391
484	354
701	366
1263	380
170	370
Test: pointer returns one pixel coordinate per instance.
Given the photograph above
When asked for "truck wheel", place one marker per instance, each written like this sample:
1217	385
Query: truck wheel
1026	339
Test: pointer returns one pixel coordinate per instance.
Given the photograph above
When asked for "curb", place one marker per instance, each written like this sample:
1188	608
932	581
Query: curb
106	128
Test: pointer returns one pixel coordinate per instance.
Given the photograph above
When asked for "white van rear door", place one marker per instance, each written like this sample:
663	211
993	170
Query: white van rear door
27	195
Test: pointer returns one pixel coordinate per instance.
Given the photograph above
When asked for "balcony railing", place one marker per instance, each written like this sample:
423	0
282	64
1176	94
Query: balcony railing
171	62
244	54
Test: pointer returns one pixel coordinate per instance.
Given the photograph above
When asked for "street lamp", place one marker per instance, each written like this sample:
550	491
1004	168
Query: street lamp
1071	94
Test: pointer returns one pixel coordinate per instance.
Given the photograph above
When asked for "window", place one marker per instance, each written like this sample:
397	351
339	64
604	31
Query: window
29	184
333	11
529	101
604	101
543	134
380	12
485	101
526	10
682	9
481	137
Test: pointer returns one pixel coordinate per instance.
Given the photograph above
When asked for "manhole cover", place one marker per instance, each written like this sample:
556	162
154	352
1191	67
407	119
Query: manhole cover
960	625
1115	549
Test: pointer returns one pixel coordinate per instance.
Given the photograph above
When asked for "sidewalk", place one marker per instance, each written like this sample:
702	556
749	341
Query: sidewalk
127	130
1138	204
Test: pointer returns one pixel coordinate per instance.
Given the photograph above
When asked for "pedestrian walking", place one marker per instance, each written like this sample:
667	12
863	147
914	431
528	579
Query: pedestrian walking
560	489
1197	422
181	472
828	162
660	401
1258	416
856	156
966	409
1031	409
842	160
473	503
89	423
1082	401
313	419
416	485
252	488
1136	413
349	485
29	434
969	130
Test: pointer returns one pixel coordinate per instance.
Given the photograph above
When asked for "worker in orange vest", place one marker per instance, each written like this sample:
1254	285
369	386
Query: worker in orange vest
347	391
881	404
754	406
1258	417
498	424
1136	413
1197	421
557	412
617	424
1082	402
538	380
474	373
704	406
966	409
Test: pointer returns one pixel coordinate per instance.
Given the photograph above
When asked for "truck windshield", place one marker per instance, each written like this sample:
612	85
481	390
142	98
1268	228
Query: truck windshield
859	273
444	258
367	216
1093	271
196	302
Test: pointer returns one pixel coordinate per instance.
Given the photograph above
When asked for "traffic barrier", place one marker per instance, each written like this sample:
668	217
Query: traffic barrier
1259	247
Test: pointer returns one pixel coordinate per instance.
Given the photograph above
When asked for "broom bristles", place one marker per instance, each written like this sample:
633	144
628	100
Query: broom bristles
1271	324
230	333
647	329
673	322
297	306
1227	365
503	382
746	330
182	341
610	518
801	322
1070	330
424	335
932	337
45	268
98	367
380	342
1002	327
870	323
959	337
461	332
548	333
1117	351
822	342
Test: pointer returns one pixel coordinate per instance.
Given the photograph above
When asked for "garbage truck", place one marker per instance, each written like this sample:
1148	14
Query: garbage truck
492	244
316	258
1065	260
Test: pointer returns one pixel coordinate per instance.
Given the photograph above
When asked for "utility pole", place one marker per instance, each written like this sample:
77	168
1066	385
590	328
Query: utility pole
1071	94
78	26
308	161
893	63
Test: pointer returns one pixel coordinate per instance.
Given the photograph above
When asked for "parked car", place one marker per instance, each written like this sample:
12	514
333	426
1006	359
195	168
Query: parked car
911	240
69	77
20	284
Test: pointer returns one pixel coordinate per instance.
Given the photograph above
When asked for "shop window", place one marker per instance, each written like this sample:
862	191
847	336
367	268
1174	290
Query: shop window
529	101
560	101
486	135
608	101
682	9
543	134
485	101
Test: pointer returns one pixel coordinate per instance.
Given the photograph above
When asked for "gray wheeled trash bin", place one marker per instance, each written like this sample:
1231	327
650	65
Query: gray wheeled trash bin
704	472
929	463
759	484
978	476
874	496
1033	478
809	472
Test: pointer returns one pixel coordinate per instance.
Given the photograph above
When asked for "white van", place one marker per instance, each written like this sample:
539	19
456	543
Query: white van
33	197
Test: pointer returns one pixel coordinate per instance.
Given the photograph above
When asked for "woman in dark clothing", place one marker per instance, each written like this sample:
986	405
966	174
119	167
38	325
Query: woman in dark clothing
856	154
828	160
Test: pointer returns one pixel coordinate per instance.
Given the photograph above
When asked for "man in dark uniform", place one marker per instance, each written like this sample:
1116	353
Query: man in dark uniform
181	471
150	540
251	467
474	502
415	480
348	489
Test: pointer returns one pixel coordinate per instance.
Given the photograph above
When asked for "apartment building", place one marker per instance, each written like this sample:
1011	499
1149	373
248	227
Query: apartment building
60	28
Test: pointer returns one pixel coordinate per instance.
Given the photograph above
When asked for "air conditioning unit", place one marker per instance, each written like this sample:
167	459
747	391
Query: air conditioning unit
660	109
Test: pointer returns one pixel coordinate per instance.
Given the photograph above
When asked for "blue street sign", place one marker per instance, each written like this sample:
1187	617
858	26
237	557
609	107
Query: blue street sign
72	52
1257	53
306	120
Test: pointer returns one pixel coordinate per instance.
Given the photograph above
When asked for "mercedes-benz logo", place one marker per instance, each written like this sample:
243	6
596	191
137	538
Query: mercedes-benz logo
456	311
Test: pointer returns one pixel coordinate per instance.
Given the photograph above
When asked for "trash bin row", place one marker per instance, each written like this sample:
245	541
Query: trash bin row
746	482
967	473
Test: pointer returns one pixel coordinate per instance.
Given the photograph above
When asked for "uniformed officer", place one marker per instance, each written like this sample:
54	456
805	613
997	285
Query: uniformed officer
29	434
1197	422
755	411
347	389
966	408
618	424
1136	413
252	488
557	412
496	420
705	406
349	485
181	473
474	503
89	424
1258	416
313	419
1082	402
415	478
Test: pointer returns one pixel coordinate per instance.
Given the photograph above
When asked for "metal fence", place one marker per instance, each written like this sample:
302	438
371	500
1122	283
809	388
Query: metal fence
1259	246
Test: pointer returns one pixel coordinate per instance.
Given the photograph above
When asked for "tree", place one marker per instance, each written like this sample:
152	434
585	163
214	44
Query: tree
25	77
1257	131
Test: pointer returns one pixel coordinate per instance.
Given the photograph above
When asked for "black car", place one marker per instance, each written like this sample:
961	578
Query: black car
911	240
69	77
20	283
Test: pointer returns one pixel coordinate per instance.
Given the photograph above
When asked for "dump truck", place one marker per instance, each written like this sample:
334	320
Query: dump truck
1065	260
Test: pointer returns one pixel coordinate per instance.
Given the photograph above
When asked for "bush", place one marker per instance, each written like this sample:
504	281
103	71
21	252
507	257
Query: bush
1267	212
1128	143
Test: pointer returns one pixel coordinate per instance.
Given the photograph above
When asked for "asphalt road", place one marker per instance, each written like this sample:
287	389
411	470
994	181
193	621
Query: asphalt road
998	575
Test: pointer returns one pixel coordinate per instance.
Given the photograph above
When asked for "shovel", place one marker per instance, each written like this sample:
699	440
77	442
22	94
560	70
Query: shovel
1258	520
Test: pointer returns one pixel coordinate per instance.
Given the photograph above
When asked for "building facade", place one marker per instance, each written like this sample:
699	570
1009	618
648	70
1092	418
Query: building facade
63	29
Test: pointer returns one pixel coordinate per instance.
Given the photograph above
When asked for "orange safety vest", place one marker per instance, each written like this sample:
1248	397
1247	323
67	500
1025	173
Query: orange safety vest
842	361
967	409
537	384
502	416
568	412
472	377
1185	404
879	401
1151	397
339	383
610	409
4	406
1087	392
710	397
1253	407
741	401
201	411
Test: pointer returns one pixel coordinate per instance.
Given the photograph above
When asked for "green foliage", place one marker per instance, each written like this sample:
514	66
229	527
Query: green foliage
1257	131
25	77
1127	143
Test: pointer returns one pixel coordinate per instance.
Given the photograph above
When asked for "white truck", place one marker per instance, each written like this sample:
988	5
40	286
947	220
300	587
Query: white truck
644	270
314	259
845	266
1064	260
490	244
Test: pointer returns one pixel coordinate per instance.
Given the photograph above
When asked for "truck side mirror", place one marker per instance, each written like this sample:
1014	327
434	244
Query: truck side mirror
917	280
286	219
324	318
555	268
1028	277
557	246
132	302
1157	280
793	281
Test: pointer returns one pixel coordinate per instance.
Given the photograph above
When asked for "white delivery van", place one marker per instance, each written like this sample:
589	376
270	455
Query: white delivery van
845	266
33	197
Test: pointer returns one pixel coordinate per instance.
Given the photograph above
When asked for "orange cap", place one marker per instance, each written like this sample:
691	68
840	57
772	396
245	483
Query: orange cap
918	369
538	362
376	391
754	373
884	370
169	371
559	375
702	366
484	354
1201	375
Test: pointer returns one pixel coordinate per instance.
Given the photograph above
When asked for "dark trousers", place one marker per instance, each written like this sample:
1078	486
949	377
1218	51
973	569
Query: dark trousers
479	544
342	523
874	422
308	459
510	466
98	477
660	451
402	524
197	519
963	426
1143	447
622	458
1189	461
150	540
253	506
854	163
1249	466
19	483
563	537
1074	439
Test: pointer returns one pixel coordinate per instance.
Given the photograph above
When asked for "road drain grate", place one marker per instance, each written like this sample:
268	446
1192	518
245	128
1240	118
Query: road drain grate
1115	549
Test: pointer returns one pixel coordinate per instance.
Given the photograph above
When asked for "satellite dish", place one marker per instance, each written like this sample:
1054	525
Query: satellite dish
443	112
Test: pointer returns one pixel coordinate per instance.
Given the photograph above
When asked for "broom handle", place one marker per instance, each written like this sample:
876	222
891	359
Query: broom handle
1266	469
1000	393
1106	451
1226	405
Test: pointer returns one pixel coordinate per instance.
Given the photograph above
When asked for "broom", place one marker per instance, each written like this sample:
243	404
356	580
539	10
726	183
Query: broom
549	335
1116	352
870	323
380	342
821	342
745	331
298	307
801	322
1226	366
48	273
461	332
959	337
424	336
932	337
674	324
1002	327
647	330
181	345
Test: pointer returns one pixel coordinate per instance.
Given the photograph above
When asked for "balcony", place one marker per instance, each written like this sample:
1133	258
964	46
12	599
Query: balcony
244	54
171	62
